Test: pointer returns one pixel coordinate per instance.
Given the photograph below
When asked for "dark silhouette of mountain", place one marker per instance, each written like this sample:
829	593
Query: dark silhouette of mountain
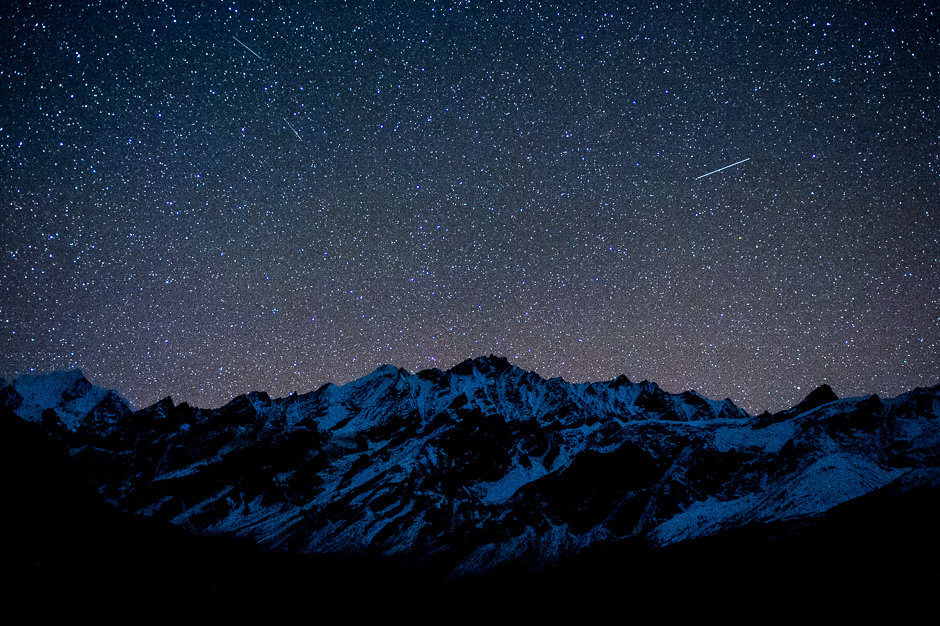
426	492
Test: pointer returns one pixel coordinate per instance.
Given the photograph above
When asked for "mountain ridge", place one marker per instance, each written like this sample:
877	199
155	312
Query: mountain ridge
485	466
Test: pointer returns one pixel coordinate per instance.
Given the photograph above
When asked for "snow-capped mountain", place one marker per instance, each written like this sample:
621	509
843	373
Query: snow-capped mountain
483	466
69	395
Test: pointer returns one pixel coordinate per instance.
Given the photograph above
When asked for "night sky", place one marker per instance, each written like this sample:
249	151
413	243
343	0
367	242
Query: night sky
201	199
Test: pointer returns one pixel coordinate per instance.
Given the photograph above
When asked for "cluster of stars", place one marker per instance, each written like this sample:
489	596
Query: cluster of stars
199	201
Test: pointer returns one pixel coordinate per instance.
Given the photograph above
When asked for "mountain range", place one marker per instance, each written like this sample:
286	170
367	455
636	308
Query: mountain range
481	482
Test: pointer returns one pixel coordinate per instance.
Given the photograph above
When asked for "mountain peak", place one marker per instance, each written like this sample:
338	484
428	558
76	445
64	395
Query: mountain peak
68	393
483	364
817	397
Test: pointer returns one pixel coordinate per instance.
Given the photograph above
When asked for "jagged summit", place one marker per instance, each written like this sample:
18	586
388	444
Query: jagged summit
491	364
817	397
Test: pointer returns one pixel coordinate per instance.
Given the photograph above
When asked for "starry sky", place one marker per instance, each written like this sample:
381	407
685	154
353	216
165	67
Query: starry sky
199	199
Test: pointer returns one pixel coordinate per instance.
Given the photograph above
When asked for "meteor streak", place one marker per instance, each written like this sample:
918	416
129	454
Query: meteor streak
723	168
291	127
248	49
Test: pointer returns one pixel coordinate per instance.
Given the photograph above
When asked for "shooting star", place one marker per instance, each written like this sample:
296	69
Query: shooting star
248	49
723	168
291	127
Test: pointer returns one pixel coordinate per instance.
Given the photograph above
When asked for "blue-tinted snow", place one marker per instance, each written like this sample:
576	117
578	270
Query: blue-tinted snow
743	435
516	477
826	482
41	391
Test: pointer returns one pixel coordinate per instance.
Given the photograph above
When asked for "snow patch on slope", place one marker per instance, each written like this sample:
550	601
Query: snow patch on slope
499	491
68	393
826	482
744	436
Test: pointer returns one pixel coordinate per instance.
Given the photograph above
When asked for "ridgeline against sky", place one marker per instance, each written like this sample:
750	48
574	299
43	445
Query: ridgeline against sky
207	199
